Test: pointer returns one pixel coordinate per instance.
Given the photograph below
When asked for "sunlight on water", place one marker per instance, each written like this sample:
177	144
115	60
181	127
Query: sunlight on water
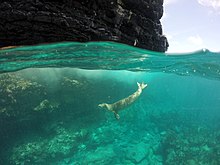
50	94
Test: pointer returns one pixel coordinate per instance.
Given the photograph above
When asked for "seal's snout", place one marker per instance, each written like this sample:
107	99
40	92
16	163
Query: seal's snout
101	105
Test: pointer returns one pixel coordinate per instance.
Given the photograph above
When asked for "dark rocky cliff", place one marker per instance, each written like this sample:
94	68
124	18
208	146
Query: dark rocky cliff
134	22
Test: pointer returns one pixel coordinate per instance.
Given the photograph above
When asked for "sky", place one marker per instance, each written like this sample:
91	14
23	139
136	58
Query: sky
191	25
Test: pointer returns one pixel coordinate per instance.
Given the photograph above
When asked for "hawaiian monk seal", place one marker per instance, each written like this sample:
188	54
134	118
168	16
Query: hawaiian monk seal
123	103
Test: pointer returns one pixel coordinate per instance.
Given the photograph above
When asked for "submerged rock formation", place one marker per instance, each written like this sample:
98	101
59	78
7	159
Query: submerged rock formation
137	23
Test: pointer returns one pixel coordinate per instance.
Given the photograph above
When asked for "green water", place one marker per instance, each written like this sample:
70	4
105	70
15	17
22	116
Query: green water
49	110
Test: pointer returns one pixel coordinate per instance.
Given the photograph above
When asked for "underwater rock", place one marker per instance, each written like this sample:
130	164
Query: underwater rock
71	83
138	153
132	22
142	153
45	105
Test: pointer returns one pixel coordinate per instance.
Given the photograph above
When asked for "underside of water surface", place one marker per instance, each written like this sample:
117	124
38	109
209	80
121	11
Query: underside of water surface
49	111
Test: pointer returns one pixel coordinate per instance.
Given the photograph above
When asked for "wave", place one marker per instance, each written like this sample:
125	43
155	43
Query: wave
110	56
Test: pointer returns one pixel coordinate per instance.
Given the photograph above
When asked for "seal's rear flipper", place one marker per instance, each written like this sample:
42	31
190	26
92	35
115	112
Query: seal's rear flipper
141	86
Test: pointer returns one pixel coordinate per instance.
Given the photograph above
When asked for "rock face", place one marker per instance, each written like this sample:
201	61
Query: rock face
134	22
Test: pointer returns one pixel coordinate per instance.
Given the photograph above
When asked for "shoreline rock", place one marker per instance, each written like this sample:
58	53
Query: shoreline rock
131	22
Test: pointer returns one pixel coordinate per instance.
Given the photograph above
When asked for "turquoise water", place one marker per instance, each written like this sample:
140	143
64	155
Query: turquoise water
49	110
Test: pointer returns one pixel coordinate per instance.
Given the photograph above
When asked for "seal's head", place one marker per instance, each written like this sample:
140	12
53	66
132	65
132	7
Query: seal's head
103	105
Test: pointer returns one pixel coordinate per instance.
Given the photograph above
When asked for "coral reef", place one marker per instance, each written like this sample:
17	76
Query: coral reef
196	145
18	95
121	144
88	146
60	146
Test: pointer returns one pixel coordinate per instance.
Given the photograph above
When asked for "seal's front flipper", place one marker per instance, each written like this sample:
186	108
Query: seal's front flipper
117	116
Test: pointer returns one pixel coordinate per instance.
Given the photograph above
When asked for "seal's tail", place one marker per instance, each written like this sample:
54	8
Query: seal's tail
141	86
